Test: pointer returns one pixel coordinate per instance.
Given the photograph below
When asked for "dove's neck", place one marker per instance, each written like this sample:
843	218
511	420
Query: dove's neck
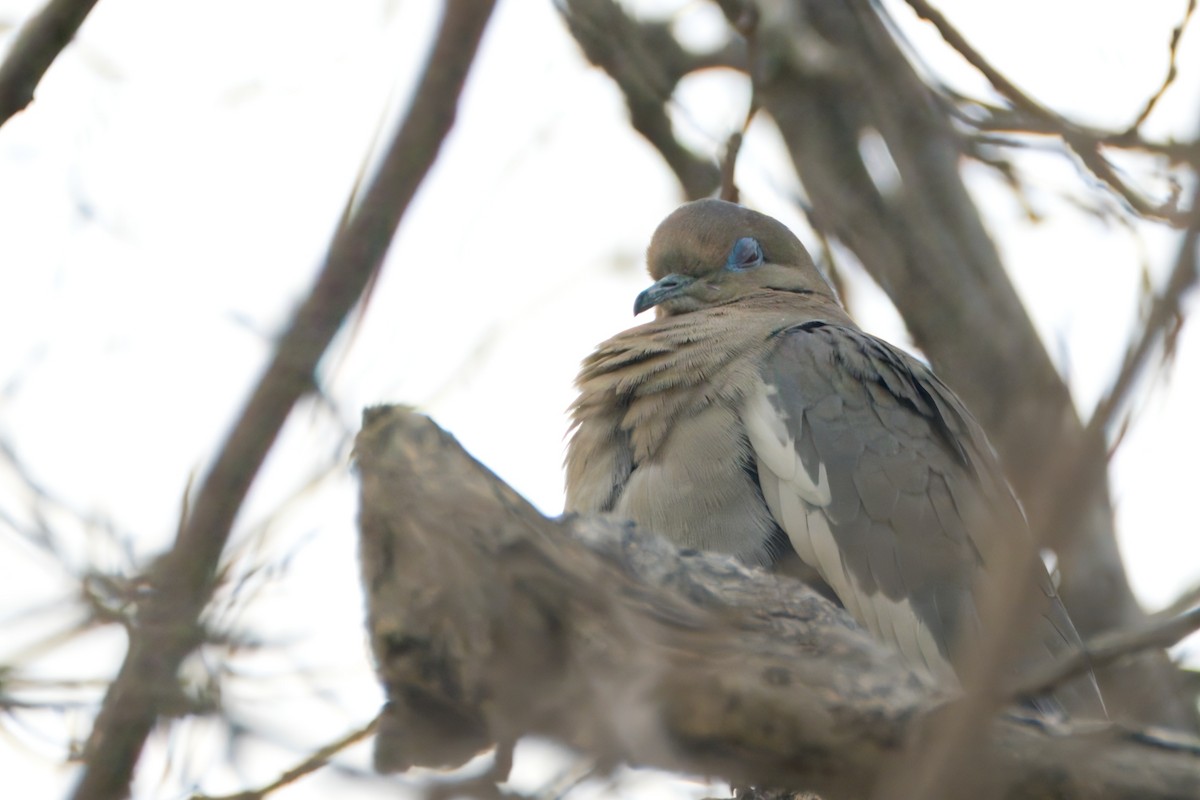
683	363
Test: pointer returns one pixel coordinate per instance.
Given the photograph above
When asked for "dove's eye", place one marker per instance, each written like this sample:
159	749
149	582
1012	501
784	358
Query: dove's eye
746	254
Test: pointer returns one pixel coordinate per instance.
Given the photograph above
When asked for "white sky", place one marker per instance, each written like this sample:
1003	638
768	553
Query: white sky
166	200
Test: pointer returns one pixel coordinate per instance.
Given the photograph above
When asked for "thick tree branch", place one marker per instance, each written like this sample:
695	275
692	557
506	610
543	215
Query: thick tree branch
40	41
489	622
168	626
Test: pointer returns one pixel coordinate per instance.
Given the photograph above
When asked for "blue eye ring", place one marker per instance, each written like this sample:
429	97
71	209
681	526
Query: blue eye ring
746	254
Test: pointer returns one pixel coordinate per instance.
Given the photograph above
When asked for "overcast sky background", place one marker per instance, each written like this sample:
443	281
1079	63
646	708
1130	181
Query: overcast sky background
166	200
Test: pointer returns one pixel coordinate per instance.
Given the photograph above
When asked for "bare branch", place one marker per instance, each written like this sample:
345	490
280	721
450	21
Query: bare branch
1172	71
1087	143
1165	315
311	764
40	41
1186	601
973	57
1089	150
489	621
647	63
1157	633
729	190
747	26
167	626
1066	499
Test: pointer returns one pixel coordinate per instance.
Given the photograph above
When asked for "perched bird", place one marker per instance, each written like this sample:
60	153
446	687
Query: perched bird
754	412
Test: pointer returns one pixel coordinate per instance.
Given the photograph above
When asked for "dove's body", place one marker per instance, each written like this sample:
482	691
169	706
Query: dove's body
754	412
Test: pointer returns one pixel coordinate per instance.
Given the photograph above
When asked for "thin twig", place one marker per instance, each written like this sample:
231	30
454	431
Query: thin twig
1089	151
1104	649
168	625
747	26
647	63
40	41
311	764
1165	311
973	57
729	189
1172	71
1086	143
1185	602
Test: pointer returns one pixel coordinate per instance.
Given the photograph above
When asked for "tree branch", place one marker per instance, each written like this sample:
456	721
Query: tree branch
489	622
1172	69
1157	633
647	63
168	626
309	765
1087	143
40	41
1165	317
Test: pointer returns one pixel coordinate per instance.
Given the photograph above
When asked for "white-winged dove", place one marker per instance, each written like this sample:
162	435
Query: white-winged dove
753	412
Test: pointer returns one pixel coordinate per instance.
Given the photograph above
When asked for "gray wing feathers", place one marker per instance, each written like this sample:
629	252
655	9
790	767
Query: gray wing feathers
887	487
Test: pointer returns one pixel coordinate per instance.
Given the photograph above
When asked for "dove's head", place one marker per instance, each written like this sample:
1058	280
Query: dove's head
711	252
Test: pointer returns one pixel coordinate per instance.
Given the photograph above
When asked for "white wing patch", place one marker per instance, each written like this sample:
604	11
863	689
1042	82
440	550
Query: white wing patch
829	556
775	447
901	627
798	503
